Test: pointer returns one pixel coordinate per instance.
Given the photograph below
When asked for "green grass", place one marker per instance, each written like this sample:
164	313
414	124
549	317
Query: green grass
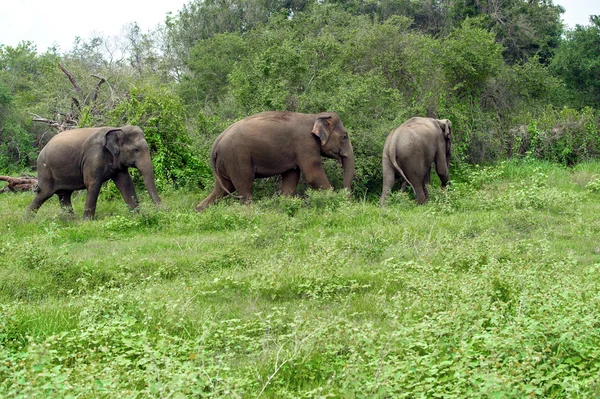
490	289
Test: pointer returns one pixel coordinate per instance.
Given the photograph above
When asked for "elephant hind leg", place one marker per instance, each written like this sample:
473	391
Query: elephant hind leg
421	193
242	181
218	192
290	182
39	199
389	179
64	197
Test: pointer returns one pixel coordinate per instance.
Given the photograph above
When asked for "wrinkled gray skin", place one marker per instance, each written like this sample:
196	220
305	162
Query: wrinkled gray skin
410	150
86	158
278	143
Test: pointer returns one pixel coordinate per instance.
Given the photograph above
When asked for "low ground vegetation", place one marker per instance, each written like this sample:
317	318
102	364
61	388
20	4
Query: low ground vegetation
488	290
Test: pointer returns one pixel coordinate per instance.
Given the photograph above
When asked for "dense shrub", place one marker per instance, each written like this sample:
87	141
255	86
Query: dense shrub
160	114
566	136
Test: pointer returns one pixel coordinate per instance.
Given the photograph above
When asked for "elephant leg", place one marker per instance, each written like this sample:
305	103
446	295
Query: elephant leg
315	176
93	190
64	198
290	182
418	184
389	178
242	179
443	173
39	199
427	177
244	189
403	185
125	185
423	194
218	192
420	194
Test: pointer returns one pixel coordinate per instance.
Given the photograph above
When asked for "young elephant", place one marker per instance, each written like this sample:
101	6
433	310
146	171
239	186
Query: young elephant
278	143
86	158
410	150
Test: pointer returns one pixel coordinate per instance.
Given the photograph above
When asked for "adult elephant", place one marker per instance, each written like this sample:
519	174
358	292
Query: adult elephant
86	158
278	143
410	150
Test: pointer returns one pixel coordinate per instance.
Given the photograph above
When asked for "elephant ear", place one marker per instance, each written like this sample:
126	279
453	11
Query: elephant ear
322	128
113	139
446	127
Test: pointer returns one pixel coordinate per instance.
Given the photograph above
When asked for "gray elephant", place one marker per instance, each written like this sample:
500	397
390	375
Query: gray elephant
278	143
86	158
410	150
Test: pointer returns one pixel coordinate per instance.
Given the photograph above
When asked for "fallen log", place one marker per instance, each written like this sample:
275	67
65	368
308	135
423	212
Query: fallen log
25	183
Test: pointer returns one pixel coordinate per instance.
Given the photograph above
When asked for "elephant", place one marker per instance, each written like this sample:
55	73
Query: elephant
278	143
410	150
86	158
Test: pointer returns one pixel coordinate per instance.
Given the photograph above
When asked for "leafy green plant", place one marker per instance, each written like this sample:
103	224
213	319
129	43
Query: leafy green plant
160	115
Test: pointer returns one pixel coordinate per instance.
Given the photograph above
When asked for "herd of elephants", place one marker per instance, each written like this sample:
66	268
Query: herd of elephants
258	146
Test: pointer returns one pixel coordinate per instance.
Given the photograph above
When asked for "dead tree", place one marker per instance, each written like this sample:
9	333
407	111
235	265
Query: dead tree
67	121
24	183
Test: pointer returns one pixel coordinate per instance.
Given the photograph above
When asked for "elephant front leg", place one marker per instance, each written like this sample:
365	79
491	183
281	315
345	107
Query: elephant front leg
125	185
443	171
315	176
289	182
93	190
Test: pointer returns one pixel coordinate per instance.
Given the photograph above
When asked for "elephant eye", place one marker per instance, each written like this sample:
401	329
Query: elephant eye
136	150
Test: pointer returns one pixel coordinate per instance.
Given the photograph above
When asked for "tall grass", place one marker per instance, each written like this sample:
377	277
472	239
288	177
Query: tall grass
488	290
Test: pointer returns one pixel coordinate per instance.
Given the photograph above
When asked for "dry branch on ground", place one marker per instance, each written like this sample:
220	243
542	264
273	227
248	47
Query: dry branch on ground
24	183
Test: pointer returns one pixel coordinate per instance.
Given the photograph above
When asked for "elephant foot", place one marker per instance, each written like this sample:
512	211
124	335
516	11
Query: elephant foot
203	205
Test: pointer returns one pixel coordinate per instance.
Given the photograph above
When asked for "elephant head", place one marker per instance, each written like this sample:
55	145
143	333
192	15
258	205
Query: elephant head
335	143
129	148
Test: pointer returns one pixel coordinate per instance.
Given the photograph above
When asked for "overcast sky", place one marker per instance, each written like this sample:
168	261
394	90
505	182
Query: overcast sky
49	22
46	22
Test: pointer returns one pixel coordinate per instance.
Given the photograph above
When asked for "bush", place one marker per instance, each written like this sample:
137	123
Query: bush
160	114
566	136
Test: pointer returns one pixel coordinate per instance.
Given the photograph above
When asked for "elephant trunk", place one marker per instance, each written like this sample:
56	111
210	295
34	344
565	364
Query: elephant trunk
348	165
147	172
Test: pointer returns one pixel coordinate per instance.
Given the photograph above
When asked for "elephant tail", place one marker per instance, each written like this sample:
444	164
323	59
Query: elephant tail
399	170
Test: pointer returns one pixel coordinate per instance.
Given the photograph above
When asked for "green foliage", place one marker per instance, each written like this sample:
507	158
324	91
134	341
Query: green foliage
24	77
471	57
160	115
578	63
567	136
484	66
210	63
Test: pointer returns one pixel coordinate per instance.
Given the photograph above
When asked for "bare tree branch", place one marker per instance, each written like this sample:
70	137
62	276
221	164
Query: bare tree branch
75	104
72	79
94	94
60	125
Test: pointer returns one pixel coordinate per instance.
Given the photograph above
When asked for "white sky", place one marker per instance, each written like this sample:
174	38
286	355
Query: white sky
46	22
578	11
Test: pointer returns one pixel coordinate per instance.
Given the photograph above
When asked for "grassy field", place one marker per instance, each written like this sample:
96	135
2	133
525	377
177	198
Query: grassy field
491	289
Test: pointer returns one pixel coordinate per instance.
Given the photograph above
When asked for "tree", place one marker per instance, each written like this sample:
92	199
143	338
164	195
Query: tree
577	61
471	57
